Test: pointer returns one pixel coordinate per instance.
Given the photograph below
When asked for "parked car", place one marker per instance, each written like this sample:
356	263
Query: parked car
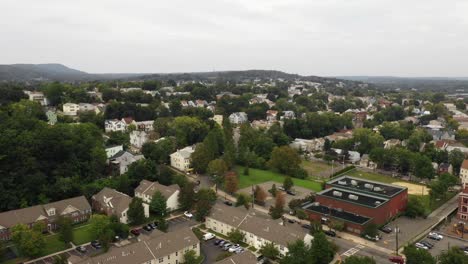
239	250
188	214
135	232
306	226
233	248
419	245
435	236
291	221
291	192
330	233
148	228
226	246
81	249
95	244
371	238
218	241
153	225
324	220
221	244
208	236
397	259
228	203
427	244
386	229
116	239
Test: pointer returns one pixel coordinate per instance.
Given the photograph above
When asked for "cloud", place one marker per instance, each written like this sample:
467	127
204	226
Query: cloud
329	37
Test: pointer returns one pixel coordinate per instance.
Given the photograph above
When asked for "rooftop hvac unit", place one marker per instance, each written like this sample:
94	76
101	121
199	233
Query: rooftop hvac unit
342	182
316	204
377	202
378	189
369	186
339	210
337	193
353	197
353	182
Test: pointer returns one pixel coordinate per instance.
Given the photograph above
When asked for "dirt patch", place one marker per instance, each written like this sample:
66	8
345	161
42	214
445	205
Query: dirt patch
414	188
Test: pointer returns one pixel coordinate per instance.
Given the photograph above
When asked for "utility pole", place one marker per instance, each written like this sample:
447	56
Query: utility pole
397	230
253	197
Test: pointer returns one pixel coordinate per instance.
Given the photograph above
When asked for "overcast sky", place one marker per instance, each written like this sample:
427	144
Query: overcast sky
313	37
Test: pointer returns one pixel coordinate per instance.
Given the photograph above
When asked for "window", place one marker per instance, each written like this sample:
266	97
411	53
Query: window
161	260
177	253
194	246
281	248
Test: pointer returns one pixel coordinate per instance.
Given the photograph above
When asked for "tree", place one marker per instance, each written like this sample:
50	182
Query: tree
201	157
163	225
243	199
191	257
422	167
288	183
415	207
158	204
371	230
136	212
277	210
236	236
160	151
99	224
416	256
187	196
60	259
205	201
298	253
260	195
359	260
285	160
273	190
321	249
29	242
231	183
456	158
453	256
65	229
217	167
269	250
119	138
188	130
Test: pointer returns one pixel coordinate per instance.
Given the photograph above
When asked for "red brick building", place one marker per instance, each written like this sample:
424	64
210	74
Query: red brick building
358	202
462	213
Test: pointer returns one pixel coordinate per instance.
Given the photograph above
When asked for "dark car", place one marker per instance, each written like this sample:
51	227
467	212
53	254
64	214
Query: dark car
397	259
306	226
291	221
81	249
95	244
135	232
386	229
153	225
291	192
330	233
427	244
228	203
217	241
148	228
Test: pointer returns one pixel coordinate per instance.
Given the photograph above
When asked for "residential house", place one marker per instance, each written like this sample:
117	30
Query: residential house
181	159
147	189
392	143
85	107
112	150
353	156
227	94
120	161
111	202
37	97
365	162
70	109
145	125
464	172
271	115
129	121
308	145
262	124
450	145
441	134
238	118
77	209
359	118
138	138
162	248
343	134
444	168
245	257
257	230
288	115
114	125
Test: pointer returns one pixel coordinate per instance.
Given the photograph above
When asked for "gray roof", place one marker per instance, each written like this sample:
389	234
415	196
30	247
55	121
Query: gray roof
246	257
144	251
149	188
250	221
185	152
113	199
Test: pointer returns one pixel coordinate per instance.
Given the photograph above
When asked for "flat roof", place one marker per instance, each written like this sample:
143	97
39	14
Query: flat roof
353	197
367	186
335	213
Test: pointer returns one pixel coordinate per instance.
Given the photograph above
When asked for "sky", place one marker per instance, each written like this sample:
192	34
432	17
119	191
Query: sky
309	37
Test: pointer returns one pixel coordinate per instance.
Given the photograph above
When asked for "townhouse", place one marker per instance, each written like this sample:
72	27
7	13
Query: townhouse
147	189
77	209
181	159
111	202
245	257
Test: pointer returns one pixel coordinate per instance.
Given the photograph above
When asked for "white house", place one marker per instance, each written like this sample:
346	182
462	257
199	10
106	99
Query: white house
85	107
138	138
288	115
464	173
181	159
113	125
147	189
257	230
71	109
112	150
238	118
122	160
37	97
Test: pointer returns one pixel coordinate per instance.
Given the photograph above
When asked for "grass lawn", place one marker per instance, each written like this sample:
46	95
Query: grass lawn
257	176
316	169
436	204
53	244
82	234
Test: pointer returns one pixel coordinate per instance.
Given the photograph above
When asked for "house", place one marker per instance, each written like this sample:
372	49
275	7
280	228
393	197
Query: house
162	248
114	125
111	202
145	125
359	118
392	143
257	230
112	150
147	189
365	162
227	94
343	134
37	97
120	161
181	159
353	156
288	115
70	109
308	145
271	115
218	119
441	134
85	107
245	257
450	145
238	118
138	138
464	172
444	168
77	209
129	121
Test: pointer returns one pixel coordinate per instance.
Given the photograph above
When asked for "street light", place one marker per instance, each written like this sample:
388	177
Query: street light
397	230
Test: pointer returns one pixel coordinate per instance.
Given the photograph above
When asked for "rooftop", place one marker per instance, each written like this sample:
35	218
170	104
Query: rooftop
366	186
336	213
244	258
353	197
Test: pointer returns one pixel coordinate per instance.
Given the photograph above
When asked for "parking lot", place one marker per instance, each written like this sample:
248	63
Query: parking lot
180	222
210	251
444	244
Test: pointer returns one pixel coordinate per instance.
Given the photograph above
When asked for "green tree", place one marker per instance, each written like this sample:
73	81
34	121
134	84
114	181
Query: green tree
188	130
269	250
456	158
187	196
136	212
288	183
371	230
285	160
163	225
243	199
206	198
236	236
65	229
99	225
277	210
321	249
29	242
415	207
217	167
191	257
160	151
359	260
201	157
273	190
231	182
158	204
422	167
415	256
298	253
453	256
118	138
60	259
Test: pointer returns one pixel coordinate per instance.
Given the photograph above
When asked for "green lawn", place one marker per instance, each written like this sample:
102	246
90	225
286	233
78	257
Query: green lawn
53	244
257	176
316	168
82	234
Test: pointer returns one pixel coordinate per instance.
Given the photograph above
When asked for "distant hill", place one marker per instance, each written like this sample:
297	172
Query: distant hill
30	72
437	84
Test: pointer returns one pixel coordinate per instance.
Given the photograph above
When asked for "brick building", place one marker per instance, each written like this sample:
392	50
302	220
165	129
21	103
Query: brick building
462	213
357	202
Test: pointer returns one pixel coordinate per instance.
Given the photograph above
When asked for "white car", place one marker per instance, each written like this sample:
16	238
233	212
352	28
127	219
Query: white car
419	245
233	248
435	236
188	214
208	236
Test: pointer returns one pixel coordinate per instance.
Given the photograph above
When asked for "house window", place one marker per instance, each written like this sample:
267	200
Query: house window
161	260
177	253
194	246
281	248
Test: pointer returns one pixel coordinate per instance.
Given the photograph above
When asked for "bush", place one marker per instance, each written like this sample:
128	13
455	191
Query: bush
301	214
415	207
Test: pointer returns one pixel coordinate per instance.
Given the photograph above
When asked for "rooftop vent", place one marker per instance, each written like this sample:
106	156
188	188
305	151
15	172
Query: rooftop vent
316	204
369	186
353	197
353	182
337	193
342	182
377	202
378	189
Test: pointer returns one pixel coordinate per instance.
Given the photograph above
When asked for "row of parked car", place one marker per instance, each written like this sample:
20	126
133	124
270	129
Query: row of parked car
227	246
423	244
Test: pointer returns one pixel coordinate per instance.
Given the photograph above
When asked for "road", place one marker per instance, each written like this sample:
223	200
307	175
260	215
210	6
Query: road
349	248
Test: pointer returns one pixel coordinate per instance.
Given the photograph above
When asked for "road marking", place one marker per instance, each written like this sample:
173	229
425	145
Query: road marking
353	250
360	246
